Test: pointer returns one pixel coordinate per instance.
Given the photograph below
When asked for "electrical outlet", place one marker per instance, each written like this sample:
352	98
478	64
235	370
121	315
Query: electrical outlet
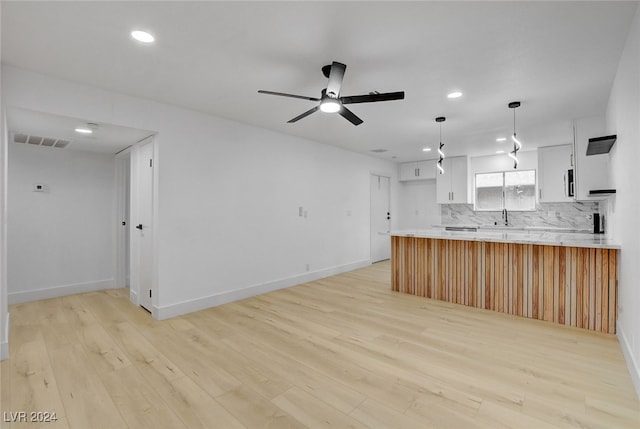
300	211
38	187
305	214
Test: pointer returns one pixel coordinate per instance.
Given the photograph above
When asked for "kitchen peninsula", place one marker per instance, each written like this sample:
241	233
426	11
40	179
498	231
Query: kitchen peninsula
565	278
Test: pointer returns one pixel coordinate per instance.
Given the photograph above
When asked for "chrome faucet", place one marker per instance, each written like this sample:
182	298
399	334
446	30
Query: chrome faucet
505	217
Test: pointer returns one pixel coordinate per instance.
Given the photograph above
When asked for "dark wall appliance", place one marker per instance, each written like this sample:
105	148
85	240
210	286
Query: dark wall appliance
570	183
598	223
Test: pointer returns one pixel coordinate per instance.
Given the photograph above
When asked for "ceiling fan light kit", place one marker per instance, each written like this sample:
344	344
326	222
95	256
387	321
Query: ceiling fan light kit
330	99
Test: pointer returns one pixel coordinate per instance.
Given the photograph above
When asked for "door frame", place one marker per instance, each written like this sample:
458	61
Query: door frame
373	174
134	243
123	188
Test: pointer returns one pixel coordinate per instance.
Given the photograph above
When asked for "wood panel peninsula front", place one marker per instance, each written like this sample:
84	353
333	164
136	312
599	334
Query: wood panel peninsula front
571	279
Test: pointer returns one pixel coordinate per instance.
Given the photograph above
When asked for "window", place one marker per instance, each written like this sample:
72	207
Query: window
511	190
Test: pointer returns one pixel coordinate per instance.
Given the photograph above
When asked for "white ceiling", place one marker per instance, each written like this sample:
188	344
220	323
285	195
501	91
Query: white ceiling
106	138
558	58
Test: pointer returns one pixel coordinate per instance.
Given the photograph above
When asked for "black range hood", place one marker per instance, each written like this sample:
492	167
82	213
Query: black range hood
599	145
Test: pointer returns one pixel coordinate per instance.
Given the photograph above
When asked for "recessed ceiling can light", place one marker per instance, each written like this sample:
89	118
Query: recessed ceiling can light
83	130
142	36
455	94
501	139
426	149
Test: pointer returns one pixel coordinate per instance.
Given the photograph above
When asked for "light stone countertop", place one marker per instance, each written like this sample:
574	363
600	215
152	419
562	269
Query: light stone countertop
547	238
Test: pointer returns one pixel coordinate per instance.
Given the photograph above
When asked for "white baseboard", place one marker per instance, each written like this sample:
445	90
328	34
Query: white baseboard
178	309
632	364
58	291
4	340
133	296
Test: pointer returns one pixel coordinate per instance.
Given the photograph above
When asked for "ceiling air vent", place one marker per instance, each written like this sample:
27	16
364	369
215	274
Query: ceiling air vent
378	150
40	141
20	138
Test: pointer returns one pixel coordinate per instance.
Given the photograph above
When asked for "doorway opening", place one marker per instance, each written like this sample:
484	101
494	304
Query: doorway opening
380	218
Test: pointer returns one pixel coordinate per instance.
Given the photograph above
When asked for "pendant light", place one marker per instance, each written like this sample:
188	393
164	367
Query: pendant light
516	143
440	120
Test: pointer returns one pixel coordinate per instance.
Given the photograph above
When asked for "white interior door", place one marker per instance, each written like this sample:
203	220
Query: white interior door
380	219
143	230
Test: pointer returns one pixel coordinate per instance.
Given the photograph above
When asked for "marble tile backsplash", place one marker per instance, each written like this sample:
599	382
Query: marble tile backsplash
556	215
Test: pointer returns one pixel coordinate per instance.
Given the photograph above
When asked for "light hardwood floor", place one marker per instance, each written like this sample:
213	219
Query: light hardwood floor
339	352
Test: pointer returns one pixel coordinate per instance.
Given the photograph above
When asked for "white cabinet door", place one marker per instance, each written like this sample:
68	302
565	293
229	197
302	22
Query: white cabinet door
452	185
418	170
427	169
459	180
554	163
443	183
408	171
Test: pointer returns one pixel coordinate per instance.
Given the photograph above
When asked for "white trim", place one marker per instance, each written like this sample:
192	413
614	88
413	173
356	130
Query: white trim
178	309
58	291
134	210
122	179
133	296
632	364
4	345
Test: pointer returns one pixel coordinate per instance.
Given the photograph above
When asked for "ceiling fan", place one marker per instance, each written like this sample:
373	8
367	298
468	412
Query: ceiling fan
330	100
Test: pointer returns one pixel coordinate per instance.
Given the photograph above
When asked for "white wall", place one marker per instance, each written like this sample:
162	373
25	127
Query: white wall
60	241
417	206
623	119
4	310
227	222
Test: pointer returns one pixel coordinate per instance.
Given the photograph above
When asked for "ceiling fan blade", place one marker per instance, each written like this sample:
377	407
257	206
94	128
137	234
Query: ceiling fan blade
335	79
371	98
350	116
304	115
282	94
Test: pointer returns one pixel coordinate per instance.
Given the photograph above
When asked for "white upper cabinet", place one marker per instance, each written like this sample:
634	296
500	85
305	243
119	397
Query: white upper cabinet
452	187
555	174
592	172
419	170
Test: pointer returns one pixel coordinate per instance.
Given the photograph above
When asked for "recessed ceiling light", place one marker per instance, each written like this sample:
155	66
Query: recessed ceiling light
456	94
426	149
499	151
142	36
501	139
83	131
